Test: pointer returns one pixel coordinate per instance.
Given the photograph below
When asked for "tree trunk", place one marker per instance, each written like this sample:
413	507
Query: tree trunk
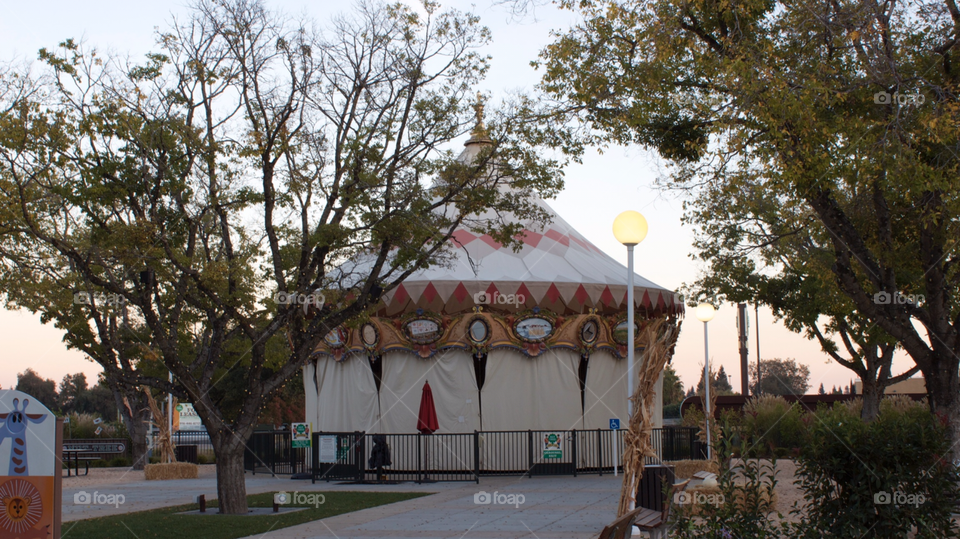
140	450
872	393
943	393
231	481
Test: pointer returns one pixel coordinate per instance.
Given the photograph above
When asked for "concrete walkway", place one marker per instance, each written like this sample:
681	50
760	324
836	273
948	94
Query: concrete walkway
499	507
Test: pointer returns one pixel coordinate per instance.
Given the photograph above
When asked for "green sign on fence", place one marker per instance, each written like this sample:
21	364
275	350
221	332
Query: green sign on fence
300	435
553	445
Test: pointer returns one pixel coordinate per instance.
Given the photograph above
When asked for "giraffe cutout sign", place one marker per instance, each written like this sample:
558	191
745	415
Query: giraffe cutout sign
29	474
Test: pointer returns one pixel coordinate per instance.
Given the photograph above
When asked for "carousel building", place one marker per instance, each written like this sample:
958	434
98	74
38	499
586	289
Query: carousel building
508	340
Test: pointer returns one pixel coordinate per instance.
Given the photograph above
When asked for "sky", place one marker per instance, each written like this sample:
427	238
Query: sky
596	190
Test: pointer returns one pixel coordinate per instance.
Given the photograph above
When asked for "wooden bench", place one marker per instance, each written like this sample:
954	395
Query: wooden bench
704	475
656	523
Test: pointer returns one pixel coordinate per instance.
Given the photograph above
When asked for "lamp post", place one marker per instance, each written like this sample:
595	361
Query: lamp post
705	313
630	228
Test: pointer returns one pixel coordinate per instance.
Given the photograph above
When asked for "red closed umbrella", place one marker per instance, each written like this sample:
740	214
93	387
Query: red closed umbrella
427	418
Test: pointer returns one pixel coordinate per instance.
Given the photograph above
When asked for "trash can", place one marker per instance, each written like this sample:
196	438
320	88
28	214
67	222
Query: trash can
651	492
186	453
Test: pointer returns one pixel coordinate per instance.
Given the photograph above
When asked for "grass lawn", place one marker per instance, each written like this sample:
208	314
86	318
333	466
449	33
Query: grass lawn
165	523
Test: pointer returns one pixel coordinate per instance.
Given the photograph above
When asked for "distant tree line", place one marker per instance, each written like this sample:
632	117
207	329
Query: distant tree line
73	395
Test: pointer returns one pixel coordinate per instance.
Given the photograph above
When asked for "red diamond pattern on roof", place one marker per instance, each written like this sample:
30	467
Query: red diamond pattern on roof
460	292
553	294
558	237
488	239
526	293
462	237
645	302
606	296
581	295
531	238
429	293
491	290
401	296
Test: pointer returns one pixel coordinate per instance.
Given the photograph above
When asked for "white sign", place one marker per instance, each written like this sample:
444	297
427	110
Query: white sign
328	448
189	420
28	467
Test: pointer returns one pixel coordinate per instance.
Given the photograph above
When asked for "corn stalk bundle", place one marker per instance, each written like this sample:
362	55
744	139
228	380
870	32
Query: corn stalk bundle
164	440
659	336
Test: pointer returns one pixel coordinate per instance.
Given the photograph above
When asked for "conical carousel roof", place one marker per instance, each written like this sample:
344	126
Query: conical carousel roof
556	269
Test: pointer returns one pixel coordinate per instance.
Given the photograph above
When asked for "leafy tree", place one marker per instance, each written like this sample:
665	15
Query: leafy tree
719	384
672	387
249	161
816	145
780	377
44	390
71	387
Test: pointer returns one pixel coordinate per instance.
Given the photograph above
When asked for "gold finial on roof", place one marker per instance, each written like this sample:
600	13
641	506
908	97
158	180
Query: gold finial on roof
479	130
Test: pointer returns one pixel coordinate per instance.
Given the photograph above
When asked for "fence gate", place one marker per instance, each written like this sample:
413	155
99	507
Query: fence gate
271	452
338	456
552	452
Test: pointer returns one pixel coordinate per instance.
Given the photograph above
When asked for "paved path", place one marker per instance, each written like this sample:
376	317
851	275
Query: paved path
552	508
538	508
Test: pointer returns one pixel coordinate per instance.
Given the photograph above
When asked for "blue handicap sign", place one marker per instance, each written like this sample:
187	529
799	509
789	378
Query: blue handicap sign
614	424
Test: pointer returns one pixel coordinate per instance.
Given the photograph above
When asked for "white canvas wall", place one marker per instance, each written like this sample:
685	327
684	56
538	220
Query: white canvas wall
310	394
348	395
605	396
454	386
523	393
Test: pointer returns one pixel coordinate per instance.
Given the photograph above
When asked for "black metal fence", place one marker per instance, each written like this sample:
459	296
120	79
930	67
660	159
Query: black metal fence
198	438
271	452
345	456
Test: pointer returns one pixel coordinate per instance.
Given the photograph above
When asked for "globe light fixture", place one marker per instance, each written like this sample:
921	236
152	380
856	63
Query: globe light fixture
630	228
705	313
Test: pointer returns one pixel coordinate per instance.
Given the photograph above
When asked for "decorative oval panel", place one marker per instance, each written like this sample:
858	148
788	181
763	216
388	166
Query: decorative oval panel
423	330
620	332
337	338
533	329
479	331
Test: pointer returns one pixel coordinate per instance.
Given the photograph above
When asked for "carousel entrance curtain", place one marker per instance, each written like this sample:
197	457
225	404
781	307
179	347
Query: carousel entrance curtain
310	393
605	395
522	393
348	395
452	379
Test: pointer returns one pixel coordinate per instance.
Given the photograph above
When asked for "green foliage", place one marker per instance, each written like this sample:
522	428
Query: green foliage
34	385
780	377
771	426
741	508
849	470
672	387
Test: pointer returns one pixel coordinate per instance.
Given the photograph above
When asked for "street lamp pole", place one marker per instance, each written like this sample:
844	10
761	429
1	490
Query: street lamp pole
630	228
705	313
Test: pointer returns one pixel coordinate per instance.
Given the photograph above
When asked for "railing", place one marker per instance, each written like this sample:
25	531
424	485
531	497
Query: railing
271	452
467	456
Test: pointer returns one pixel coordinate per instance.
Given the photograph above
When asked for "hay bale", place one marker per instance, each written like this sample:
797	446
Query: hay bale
684	469
172	470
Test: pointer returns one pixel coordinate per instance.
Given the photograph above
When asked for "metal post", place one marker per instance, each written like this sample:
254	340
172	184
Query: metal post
170	413
706	385
630	333
600	452
756	320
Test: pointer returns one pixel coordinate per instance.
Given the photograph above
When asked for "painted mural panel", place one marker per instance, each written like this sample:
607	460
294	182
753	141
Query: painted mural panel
27	467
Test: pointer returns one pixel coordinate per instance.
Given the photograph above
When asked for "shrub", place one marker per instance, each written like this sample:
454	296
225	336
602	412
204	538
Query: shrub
879	479
771	426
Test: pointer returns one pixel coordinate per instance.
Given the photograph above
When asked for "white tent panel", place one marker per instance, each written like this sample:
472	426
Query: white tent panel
541	392
348	395
452	381
605	393
310	394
